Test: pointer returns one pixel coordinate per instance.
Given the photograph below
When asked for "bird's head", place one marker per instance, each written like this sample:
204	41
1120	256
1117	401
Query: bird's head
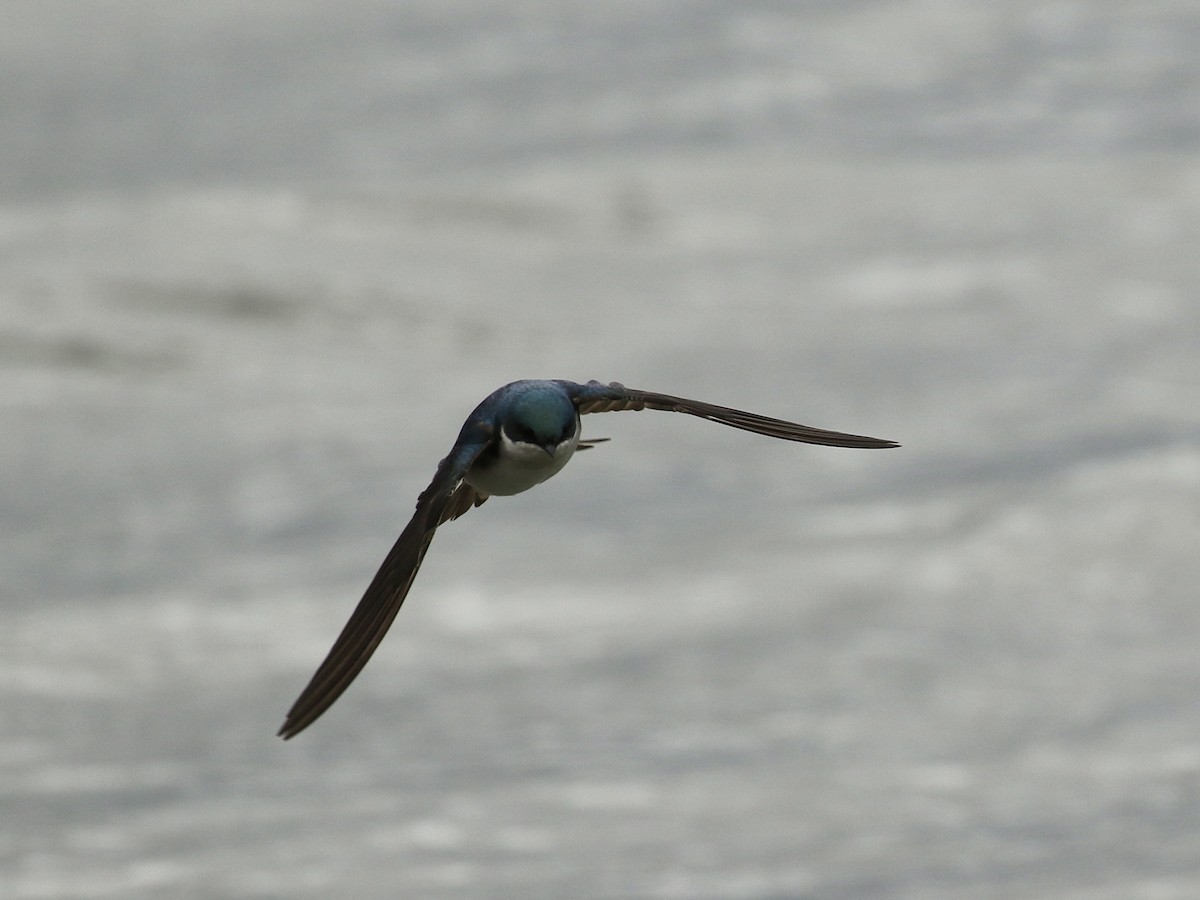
541	418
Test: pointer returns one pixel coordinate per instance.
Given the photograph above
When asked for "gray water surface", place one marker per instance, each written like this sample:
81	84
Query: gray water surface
257	264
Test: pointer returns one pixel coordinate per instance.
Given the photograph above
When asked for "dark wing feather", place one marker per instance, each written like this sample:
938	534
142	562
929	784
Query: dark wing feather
461	501
446	498
595	397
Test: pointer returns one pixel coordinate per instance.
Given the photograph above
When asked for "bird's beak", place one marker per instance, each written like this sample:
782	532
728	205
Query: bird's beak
549	448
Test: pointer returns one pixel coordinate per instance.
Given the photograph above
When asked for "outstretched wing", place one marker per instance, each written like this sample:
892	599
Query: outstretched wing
595	397
446	498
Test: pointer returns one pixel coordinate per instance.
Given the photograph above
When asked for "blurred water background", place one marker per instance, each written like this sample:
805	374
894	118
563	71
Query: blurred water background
257	262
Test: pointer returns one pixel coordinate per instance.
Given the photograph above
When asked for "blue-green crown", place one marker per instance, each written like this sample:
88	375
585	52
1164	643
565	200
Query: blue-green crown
540	417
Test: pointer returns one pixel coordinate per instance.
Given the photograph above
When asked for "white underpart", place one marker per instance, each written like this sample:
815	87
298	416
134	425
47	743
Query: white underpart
521	466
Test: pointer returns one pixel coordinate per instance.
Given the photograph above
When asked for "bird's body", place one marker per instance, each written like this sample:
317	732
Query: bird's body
519	436
537	437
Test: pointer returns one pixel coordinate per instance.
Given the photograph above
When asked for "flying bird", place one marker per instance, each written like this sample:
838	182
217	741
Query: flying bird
519	436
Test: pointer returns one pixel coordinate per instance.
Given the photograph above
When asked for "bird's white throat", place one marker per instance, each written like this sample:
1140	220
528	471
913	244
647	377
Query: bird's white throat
518	466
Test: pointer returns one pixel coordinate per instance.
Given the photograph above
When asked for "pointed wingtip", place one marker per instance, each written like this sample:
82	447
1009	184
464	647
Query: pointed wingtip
289	729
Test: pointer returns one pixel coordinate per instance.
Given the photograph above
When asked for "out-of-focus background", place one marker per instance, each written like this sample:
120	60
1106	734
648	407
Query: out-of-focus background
258	261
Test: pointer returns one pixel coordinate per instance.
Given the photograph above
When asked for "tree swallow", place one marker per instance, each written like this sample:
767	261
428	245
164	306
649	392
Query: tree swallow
522	434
